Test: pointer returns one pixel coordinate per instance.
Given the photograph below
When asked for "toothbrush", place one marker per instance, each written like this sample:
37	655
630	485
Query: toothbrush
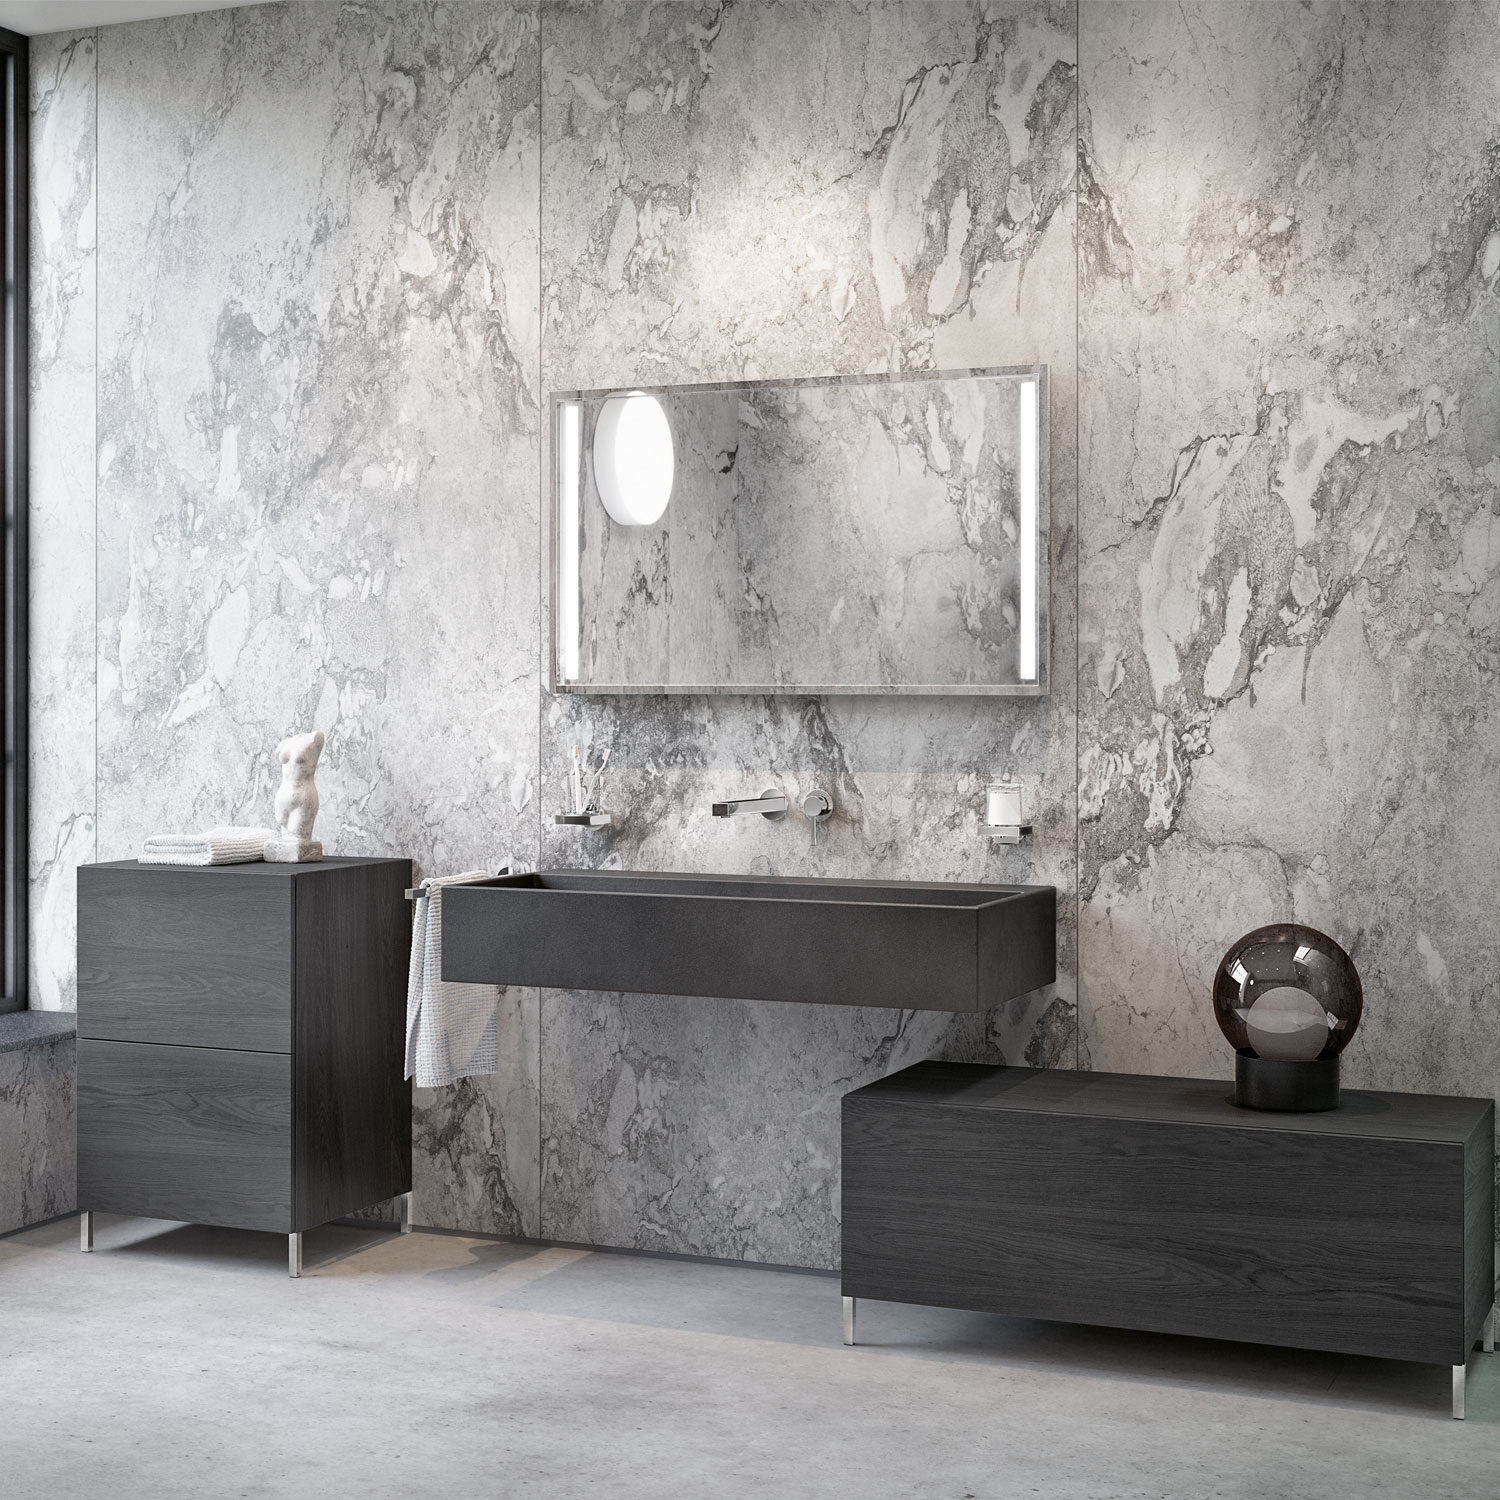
596	781
576	783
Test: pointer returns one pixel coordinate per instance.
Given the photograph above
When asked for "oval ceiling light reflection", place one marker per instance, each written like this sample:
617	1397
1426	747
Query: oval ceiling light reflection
634	461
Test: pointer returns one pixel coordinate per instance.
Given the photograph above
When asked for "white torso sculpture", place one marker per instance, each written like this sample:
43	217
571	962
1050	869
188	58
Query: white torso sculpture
297	801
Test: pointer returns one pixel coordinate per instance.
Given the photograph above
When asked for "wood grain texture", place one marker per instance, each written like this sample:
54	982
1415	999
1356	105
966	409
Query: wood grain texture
1221	1222
1198	1101
184	957
353	1106
190	1133
299	971
1479	1224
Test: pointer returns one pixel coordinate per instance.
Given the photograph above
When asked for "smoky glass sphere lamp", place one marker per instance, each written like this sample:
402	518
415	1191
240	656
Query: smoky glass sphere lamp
1289	1000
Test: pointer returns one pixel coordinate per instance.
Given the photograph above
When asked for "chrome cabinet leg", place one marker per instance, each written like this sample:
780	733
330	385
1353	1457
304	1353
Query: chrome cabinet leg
848	1320
294	1255
403	1214
1459	1373
1487	1333
86	1232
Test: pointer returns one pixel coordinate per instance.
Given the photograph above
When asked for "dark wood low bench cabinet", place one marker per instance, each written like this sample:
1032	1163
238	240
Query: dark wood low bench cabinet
1157	1204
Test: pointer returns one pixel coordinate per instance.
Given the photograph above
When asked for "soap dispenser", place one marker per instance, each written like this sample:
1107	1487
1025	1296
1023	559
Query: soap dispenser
1004	819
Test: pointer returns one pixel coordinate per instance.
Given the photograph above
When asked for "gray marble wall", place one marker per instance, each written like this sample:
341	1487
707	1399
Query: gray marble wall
62	511
772	191
311	498
342	252
1290	348
38	1119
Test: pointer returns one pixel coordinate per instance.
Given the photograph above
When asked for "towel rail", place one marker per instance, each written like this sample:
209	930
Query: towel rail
416	892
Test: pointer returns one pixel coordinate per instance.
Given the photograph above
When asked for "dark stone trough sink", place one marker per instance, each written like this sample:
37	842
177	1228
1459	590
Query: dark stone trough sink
902	944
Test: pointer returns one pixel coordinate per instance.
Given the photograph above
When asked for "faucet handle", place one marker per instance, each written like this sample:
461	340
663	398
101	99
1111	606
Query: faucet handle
818	806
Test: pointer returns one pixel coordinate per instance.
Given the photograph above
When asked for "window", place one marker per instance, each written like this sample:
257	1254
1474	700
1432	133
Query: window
13	577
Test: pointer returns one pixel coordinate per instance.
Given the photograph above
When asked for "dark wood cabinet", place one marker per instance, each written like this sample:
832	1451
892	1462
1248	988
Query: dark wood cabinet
195	1133
1158	1204
186	957
241	1040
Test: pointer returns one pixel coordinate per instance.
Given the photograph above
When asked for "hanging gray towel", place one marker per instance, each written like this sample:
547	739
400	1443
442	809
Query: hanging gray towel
451	1029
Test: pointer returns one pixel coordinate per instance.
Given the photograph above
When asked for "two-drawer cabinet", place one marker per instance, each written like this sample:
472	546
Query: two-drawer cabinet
240	1042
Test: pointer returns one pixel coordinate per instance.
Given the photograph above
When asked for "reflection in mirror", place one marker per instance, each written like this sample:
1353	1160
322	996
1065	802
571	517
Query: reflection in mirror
871	534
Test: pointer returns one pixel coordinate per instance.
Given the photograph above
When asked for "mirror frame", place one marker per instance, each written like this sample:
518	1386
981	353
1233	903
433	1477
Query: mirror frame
552	582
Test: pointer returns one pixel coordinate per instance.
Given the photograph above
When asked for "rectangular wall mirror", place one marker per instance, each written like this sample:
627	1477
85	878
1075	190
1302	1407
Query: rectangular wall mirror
869	534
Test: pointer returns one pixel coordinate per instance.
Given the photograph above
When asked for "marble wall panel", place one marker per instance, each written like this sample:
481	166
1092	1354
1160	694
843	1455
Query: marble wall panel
61	509
38	1120
1290	323
776	191
343	252
318	450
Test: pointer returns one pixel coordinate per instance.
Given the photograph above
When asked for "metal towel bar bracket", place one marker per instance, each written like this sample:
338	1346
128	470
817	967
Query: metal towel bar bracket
416	892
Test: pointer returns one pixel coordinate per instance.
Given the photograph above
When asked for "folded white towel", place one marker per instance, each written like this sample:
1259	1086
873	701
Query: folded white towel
451	1029
219	846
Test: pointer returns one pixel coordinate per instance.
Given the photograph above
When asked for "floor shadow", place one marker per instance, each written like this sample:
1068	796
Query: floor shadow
231	1248
787	1307
743	1302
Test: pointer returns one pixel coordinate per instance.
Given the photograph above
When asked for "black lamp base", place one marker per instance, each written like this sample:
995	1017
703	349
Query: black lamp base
1260	1083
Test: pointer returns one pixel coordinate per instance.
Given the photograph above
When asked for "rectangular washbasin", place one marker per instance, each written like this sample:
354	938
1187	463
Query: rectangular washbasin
905	944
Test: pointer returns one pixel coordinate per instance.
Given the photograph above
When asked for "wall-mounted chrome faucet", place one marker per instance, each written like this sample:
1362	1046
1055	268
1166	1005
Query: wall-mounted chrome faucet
771	805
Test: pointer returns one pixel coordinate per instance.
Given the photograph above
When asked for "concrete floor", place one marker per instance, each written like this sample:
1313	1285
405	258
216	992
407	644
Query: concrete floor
177	1361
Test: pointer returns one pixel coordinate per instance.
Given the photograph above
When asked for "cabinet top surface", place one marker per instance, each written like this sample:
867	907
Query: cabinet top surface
1178	1101
255	869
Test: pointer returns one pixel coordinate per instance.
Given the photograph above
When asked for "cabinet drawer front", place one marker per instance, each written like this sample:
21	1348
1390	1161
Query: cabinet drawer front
1351	1244
171	957
185	1133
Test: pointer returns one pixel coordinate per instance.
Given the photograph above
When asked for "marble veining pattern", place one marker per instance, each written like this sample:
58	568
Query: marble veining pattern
1291	556
879	533
345	251
38	1131
776	191
318	457
61	519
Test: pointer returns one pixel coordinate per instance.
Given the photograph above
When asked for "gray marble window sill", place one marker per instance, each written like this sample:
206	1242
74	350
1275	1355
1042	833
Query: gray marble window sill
31	1028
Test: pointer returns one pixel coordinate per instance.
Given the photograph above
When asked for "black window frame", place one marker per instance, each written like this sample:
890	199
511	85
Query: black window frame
14	577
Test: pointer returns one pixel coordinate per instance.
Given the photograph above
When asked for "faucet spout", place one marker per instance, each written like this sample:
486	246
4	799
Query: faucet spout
770	804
